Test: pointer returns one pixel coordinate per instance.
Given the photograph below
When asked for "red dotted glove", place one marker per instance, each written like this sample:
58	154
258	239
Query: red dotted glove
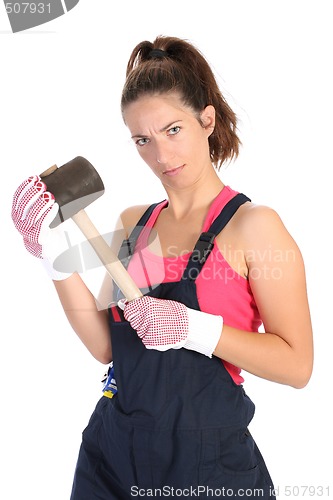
166	324
33	210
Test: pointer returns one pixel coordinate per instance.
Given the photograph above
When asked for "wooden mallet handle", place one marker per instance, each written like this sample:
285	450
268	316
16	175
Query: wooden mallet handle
110	261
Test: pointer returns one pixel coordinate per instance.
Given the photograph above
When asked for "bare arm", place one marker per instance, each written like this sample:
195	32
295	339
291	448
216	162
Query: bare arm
88	316
284	353
89	323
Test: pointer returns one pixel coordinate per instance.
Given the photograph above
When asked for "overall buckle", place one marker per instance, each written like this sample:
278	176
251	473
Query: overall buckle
203	247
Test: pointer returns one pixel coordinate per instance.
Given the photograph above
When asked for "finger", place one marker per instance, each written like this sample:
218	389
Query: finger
39	209
27	197
23	188
47	202
122	303
30	197
50	212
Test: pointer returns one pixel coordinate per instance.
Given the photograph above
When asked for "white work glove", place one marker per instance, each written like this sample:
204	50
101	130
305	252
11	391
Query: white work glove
33	210
166	324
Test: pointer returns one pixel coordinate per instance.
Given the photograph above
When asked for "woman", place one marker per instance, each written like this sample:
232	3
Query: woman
176	415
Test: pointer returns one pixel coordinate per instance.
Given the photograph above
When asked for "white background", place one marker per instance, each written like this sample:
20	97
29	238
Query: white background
60	90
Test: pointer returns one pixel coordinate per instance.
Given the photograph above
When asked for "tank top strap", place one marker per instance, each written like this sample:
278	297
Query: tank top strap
206	240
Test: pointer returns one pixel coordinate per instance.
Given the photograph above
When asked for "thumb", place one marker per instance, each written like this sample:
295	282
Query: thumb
122	303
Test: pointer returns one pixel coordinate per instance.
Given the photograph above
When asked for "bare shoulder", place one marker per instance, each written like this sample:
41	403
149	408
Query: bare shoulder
254	217
124	225
261	226
131	215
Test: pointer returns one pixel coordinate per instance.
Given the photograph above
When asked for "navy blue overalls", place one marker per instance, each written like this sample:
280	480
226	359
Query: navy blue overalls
178	425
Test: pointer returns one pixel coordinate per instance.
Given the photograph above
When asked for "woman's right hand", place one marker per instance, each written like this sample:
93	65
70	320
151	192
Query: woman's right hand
33	210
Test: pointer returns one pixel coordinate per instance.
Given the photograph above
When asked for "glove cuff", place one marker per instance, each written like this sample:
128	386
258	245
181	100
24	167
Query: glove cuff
55	243
204	332
53	273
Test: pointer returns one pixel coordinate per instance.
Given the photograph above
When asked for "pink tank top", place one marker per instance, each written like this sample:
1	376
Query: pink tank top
220	289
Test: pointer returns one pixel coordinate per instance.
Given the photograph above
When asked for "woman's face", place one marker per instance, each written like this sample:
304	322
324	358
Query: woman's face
170	138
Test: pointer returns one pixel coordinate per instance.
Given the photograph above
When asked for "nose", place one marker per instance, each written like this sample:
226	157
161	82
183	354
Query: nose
163	152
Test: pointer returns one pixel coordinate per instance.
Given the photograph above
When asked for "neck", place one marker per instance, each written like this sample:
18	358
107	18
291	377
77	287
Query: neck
199	196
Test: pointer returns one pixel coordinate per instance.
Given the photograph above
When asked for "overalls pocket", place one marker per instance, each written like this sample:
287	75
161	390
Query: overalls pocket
231	466
90	456
90	435
140	374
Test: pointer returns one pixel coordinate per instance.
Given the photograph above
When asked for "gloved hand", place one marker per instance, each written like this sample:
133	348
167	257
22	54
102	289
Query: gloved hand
33	210
166	324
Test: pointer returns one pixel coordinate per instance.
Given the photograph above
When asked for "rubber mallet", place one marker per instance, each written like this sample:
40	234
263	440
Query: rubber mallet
75	185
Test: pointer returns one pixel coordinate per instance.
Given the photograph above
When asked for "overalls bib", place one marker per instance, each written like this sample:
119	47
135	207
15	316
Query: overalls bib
178	425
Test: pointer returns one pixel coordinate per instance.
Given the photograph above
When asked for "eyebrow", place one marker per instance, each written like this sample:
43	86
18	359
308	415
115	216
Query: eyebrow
163	129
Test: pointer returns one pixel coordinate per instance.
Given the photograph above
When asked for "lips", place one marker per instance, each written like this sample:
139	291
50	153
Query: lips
173	171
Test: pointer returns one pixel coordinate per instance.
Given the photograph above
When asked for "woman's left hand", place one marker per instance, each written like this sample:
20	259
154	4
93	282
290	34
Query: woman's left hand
166	324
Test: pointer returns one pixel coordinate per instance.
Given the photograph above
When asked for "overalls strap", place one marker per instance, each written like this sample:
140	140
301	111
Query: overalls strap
205	242
128	245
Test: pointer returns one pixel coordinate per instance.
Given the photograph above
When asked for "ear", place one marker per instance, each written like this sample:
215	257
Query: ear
207	118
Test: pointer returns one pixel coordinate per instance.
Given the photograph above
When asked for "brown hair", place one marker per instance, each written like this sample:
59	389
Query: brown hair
177	66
